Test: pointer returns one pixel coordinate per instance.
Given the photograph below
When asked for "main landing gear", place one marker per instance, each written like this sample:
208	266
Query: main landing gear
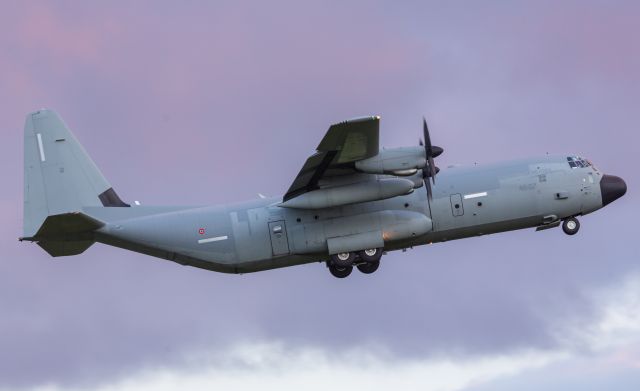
571	226
367	261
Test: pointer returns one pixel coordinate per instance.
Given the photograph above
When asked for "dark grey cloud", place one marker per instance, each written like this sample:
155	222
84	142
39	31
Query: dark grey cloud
163	96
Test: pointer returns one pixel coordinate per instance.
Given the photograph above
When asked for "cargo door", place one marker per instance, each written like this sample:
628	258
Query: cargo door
456	205
279	241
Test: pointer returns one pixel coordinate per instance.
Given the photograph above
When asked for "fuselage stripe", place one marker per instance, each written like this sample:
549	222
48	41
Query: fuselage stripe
475	195
216	239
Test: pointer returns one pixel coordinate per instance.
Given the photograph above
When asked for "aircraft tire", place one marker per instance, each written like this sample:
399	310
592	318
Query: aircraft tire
368	267
340	271
343	259
571	226
370	255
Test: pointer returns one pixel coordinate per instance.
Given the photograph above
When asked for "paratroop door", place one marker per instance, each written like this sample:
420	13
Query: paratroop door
279	241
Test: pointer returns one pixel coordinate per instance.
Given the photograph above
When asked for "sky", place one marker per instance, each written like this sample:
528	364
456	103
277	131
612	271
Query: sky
207	102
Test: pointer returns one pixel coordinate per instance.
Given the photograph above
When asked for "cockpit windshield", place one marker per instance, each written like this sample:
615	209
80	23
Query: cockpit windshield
578	162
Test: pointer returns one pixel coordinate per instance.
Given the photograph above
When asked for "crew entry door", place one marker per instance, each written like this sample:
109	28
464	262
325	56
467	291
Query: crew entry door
279	241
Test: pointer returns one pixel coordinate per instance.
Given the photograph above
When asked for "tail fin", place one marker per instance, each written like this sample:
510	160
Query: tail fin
59	176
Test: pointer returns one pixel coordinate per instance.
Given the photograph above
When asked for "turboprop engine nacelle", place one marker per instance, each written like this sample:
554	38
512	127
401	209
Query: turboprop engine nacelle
378	189
402	161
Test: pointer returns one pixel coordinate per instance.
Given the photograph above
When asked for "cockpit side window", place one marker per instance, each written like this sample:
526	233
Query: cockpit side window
578	162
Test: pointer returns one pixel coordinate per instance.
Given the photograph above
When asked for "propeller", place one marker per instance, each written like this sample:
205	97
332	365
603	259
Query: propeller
431	151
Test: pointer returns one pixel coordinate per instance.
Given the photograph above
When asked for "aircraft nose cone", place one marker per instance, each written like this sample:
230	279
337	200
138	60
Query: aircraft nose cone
612	188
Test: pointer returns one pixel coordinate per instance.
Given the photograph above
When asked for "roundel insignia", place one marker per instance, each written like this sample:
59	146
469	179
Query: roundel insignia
201	231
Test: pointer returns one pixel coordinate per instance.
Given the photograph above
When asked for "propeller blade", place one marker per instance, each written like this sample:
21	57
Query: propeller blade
427	140
430	152
430	149
432	170
437	151
427	184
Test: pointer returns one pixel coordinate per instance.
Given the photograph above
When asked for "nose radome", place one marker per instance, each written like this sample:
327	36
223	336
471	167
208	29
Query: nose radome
612	188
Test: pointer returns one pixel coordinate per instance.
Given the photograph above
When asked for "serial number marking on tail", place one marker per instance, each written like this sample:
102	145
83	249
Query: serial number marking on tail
42	158
475	195
216	239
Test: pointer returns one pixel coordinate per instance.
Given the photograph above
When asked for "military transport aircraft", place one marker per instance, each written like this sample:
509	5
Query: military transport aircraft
350	203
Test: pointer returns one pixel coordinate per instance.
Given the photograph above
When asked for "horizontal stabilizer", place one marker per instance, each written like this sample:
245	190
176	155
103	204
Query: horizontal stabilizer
61	249
66	234
67	225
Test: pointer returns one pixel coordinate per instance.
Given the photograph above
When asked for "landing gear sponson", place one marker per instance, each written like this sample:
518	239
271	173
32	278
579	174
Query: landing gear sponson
367	261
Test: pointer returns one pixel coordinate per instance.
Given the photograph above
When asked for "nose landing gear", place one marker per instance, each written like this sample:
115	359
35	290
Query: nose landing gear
571	226
367	261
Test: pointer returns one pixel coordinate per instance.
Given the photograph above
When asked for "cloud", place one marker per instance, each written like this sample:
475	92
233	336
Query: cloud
604	354
270	366
611	351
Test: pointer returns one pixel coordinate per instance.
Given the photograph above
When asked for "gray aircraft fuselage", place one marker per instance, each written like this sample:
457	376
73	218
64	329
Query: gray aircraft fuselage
467	201
351	202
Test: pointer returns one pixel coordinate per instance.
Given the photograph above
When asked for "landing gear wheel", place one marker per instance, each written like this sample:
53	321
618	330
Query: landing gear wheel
340	271
343	259
368	267
370	254
571	226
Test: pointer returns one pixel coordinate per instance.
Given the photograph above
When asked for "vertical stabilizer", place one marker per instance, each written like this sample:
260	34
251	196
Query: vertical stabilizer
59	176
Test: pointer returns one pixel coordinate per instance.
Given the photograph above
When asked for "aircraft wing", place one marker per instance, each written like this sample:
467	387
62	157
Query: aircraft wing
343	145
